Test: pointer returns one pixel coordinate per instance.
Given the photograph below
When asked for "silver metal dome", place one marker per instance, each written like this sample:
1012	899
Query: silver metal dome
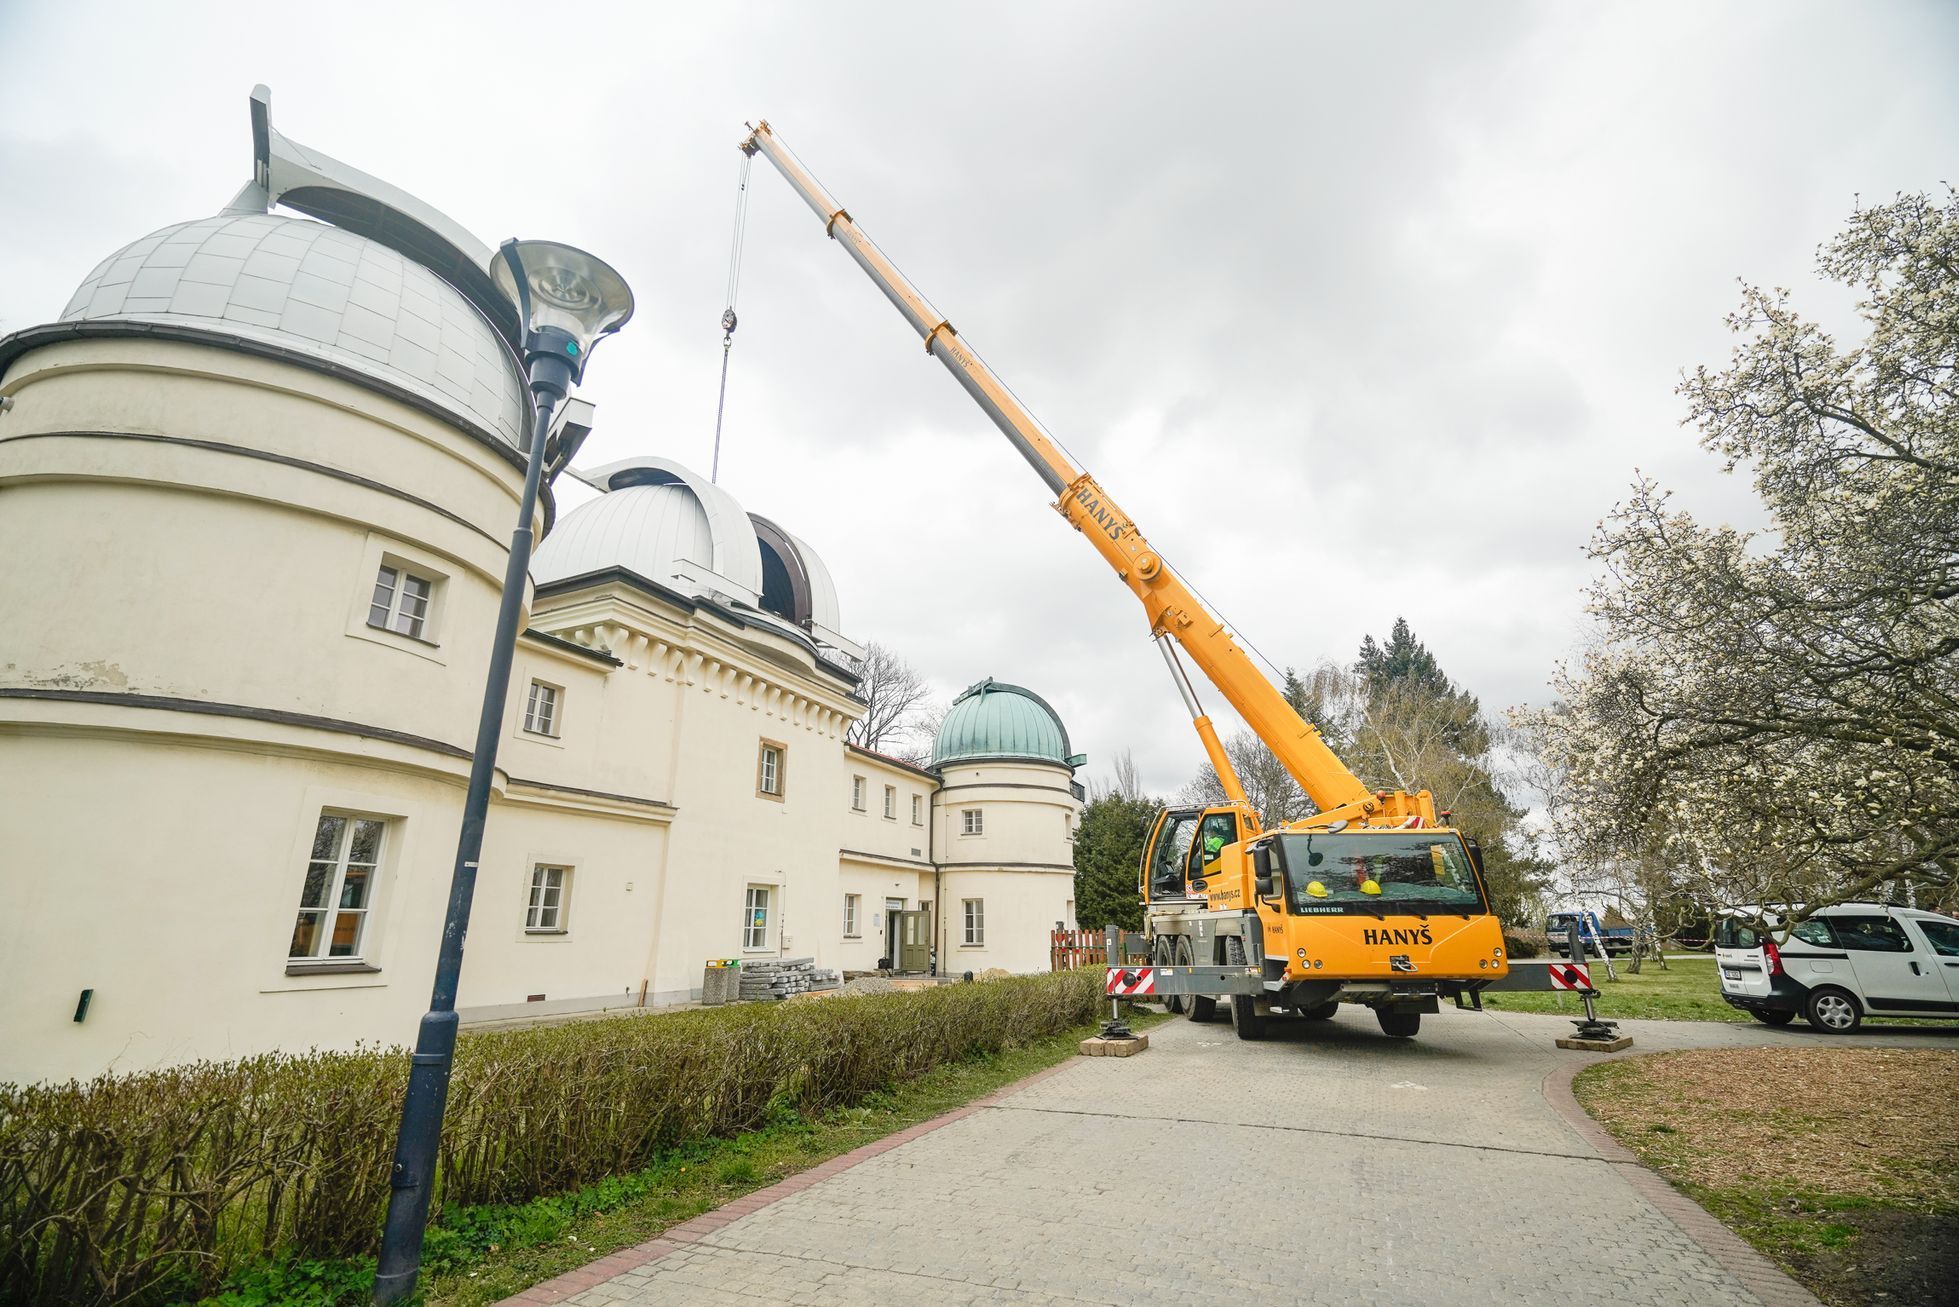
662	521
308	289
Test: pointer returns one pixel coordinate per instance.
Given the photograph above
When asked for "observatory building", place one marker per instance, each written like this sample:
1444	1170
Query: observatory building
256	485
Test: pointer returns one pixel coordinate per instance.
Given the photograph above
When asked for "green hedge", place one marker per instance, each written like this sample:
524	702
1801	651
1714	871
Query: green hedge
154	1187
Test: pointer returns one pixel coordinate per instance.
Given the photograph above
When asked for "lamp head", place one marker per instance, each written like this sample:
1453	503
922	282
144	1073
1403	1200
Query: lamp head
568	299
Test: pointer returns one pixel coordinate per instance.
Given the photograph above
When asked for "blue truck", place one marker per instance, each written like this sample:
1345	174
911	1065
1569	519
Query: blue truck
1599	938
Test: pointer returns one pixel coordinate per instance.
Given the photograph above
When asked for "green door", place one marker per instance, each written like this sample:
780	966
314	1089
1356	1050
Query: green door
915	940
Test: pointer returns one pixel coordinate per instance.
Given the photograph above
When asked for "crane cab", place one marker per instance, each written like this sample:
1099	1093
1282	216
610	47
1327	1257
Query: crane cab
1190	853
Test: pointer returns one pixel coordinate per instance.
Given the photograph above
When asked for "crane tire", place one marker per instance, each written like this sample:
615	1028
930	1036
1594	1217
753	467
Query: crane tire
1246	1020
1163	953
1401	1025
1323	1012
1198	1007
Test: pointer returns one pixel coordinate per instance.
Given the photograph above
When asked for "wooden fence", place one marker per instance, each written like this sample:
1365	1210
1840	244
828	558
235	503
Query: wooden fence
1068	949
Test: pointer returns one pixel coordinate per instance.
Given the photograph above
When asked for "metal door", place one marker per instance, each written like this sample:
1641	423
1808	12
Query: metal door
1895	975
915	940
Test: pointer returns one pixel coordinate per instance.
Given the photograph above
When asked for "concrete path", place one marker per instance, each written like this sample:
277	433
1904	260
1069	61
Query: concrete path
1327	1165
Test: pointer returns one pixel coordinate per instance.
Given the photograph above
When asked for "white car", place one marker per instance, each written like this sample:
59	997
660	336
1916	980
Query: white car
1844	962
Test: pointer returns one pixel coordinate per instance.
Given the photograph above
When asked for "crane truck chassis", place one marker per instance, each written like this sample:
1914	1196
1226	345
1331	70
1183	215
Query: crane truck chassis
1370	900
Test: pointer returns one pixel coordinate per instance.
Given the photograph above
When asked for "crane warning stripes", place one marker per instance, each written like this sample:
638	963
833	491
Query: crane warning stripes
1131	982
1570	975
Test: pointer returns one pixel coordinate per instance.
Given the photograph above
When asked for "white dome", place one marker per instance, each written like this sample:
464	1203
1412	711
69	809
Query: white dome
319	292
823	590
661	521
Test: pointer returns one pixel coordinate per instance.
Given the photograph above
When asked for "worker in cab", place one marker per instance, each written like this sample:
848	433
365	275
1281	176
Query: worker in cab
1220	828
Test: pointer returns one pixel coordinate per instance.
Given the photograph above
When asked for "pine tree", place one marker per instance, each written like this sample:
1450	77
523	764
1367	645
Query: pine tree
1109	859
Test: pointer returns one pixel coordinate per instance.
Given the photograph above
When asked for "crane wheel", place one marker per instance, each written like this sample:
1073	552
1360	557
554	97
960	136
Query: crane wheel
1163	953
1323	1012
1199	1007
1246	1019
1402	1025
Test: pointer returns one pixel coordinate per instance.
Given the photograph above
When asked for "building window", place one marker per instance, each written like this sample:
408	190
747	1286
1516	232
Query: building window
401	602
550	897
339	888
768	770
918	810
755	919
971	822
857	788
975	921
850	906
541	709
1068	826
891	803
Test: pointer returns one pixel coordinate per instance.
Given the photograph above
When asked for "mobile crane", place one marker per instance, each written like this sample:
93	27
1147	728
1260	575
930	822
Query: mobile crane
1370	900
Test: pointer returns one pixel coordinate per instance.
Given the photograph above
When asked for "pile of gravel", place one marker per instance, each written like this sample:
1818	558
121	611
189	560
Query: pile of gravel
870	985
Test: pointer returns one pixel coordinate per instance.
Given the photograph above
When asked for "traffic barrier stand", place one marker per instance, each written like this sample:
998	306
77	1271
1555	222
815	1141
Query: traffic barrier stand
1116	1038
1592	1035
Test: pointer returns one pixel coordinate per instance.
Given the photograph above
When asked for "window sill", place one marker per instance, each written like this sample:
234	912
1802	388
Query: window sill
853	937
772	798
981	944
351	966
529	933
418	639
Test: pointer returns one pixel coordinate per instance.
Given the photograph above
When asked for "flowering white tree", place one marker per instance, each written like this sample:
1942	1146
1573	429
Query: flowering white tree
1780	711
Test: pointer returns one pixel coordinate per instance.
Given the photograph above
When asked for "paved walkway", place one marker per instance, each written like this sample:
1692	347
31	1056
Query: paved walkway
1327	1165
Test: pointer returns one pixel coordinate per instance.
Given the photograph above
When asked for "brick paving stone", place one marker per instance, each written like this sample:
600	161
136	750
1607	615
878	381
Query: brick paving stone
1329	1164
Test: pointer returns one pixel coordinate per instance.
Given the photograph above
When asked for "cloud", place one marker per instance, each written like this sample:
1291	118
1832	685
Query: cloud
1360	312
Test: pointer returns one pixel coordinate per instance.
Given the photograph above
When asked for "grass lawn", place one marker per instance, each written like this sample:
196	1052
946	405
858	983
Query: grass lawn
481	1255
1842	1165
1685	991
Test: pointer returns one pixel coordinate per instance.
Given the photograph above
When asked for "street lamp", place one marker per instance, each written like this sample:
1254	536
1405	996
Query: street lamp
568	301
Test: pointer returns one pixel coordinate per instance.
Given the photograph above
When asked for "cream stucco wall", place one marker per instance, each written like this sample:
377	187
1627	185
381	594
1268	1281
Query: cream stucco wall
187	680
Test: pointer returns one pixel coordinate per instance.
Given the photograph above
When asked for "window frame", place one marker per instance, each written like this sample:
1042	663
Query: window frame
853	916
749	926
398	571
860	790
891	803
331	906
762	778
972	821
561	923
1845	937
972	917
554	717
918	809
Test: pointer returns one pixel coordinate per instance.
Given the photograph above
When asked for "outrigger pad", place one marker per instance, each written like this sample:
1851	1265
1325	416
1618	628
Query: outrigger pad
1612	1045
1100	1047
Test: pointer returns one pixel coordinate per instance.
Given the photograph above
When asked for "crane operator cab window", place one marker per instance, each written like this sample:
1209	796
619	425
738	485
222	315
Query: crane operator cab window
1175	834
1218	829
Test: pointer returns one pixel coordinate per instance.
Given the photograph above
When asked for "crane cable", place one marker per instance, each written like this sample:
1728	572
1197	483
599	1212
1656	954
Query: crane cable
728	318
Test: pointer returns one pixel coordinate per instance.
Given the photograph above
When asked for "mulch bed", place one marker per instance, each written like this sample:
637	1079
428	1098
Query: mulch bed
1841	1164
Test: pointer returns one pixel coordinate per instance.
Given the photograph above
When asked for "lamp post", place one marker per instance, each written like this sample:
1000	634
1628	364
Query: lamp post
568	301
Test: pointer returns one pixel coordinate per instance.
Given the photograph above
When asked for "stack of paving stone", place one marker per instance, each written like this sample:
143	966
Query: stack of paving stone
823	978
769	981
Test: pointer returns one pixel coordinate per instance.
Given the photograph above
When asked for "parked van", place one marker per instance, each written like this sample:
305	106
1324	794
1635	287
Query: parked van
1844	962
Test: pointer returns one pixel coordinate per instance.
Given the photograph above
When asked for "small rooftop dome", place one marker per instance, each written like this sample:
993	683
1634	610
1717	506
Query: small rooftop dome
321	295
664	522
997	721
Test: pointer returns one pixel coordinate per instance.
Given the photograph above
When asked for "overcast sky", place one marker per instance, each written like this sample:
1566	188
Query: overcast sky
1361	311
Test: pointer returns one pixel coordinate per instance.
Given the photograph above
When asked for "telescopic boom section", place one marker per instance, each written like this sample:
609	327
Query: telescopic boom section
1173	610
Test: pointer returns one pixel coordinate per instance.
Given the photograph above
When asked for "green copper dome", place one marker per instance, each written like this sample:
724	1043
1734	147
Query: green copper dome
996	720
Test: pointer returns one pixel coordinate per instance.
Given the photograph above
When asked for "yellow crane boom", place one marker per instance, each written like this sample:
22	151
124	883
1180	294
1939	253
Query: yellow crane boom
1174	611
